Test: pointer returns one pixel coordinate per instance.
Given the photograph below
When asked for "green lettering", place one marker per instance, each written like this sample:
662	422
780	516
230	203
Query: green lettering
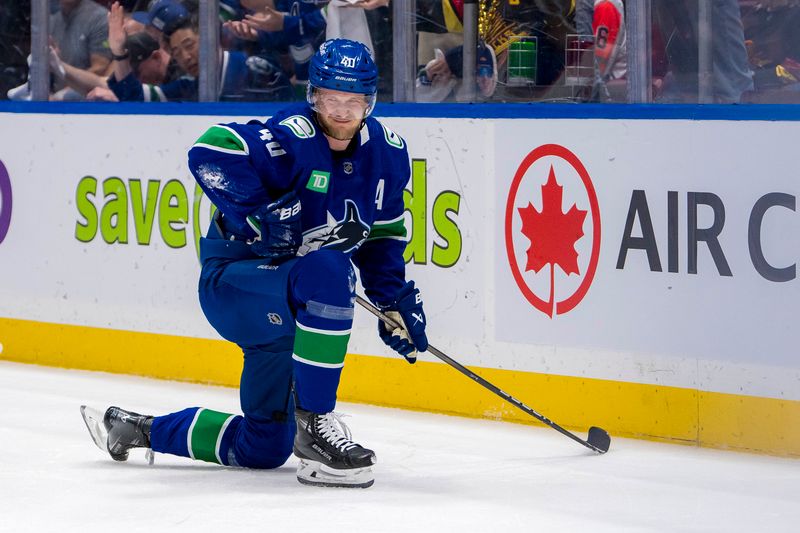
173	214
196	207
196	202
446	228
114	216
86	231
144	215
416	204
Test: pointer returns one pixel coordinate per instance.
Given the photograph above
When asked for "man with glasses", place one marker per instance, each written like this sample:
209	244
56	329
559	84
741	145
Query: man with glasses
298	197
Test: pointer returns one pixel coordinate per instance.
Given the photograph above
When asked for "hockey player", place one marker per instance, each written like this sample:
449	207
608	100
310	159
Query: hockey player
298	198
610	48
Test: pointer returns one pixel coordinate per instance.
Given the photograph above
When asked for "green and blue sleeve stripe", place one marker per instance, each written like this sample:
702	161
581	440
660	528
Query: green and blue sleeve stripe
223	139
388	229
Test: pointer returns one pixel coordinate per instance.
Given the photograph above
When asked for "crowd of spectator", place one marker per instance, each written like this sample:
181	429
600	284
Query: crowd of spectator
528	50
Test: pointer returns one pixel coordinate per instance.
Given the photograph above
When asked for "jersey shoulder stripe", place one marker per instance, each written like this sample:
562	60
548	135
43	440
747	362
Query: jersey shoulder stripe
223	139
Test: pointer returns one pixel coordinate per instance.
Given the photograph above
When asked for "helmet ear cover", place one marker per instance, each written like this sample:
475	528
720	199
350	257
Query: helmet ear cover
343	65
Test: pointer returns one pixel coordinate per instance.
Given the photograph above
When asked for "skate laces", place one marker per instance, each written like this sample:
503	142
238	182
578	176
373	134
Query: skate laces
331	428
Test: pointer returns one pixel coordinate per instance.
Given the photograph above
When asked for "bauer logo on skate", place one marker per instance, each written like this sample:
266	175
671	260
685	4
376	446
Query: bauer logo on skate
552	229
5	202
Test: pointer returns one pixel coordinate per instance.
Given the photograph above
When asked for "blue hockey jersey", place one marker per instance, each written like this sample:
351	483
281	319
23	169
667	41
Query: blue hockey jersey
351	201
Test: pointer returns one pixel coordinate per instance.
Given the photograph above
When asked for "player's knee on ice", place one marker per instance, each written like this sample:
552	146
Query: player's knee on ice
263	444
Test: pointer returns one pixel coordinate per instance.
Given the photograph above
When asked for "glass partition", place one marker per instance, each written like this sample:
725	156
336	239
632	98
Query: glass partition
663	51
702	46
274	40
15	45
539	50
772	45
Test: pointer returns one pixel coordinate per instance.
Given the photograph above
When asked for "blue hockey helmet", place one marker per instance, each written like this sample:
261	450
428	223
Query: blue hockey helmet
343	65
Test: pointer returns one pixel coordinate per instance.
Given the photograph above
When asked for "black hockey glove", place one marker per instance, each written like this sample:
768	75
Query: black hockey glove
407	311
278	228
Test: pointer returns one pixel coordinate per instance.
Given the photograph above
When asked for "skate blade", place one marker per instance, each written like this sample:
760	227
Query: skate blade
318	475
94	423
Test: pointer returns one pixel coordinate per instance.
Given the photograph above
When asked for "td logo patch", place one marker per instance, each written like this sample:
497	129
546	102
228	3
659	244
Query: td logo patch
318	181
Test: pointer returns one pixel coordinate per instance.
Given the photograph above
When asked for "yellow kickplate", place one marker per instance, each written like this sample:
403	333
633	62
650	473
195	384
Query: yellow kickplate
653	412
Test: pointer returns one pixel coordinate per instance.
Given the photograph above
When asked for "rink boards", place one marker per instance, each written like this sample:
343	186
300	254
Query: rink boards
637	274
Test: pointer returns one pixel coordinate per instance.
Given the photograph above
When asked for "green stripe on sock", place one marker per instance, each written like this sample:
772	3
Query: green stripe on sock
222	138
319	347
205	433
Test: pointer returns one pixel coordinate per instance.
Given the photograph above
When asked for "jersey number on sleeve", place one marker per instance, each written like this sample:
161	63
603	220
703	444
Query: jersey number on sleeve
273	147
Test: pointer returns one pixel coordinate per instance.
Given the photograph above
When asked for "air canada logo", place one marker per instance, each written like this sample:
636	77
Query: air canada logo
5	202
552	229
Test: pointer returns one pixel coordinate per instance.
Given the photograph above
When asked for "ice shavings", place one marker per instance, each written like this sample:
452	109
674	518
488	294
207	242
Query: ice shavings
212	176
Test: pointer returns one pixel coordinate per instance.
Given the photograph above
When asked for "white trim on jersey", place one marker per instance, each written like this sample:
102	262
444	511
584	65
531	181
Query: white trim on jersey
191	429
219	438
218	149
316	363
323	331
392	237
387	222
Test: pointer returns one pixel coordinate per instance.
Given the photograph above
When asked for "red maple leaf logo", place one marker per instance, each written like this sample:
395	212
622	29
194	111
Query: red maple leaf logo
553	234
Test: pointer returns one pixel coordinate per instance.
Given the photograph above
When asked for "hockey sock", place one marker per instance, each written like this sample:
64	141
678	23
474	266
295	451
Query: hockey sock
196	432
318	360
322	284
205	435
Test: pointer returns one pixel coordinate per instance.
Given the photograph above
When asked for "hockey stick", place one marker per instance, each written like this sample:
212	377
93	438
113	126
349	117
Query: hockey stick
598	439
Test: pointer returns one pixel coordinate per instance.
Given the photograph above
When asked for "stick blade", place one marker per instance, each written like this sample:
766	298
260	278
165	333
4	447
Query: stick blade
599	439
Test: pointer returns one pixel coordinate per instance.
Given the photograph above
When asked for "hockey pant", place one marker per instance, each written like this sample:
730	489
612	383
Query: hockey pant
292	322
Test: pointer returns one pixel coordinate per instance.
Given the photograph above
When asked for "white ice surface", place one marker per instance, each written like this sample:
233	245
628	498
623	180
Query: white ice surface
434	473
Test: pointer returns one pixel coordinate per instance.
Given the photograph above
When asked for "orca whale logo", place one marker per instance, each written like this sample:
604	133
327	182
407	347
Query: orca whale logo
345	235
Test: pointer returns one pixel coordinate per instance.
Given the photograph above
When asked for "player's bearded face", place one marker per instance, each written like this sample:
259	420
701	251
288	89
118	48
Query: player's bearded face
340	113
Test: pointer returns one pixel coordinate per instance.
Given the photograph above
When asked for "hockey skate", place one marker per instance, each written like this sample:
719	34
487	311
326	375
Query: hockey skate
328	458
117	431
